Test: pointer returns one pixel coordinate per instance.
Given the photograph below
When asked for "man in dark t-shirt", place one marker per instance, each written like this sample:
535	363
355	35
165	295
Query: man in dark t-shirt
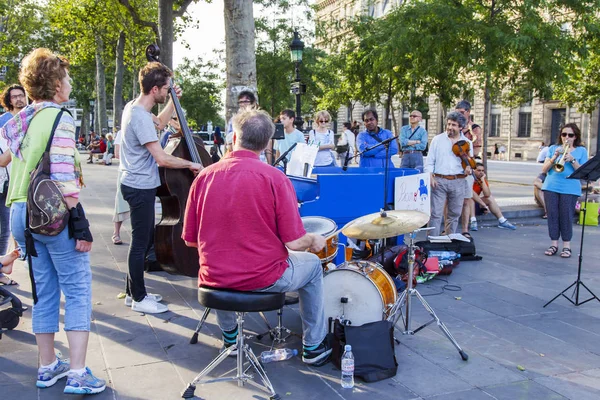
261	244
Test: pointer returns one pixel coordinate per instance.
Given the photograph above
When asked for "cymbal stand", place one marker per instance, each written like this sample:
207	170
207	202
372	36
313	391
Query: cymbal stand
405	300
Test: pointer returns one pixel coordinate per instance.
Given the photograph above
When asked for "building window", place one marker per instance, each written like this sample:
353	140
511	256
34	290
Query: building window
405	116
495	131
349	113
496	120
524	124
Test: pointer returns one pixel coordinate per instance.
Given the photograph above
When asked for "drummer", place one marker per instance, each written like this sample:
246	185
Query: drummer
249	250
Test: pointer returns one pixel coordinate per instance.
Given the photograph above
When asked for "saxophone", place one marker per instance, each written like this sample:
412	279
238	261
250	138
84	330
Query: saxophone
559	166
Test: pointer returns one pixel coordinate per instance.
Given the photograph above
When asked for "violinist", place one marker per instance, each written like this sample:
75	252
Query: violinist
141	154
448	174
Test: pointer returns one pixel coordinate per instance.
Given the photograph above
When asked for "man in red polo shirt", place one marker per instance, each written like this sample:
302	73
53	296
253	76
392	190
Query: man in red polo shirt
248	250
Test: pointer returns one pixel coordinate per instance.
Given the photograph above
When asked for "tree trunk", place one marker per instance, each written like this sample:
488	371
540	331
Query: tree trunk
165	28
102	123
487	109
84	127
118	89
239	51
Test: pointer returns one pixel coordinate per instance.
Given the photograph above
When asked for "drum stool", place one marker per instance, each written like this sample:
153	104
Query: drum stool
240	303
280	333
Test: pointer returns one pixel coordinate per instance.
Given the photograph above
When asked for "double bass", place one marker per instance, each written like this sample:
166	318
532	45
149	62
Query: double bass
171	252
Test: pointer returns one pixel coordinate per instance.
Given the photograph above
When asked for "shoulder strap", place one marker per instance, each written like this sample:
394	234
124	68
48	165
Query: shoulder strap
375	136
56	122
415	131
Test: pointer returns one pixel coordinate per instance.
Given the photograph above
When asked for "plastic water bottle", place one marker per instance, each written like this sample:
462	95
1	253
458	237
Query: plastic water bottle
348	368
277	355
444	255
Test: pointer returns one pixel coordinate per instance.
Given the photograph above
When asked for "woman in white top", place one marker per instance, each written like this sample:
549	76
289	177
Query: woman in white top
347	138
323	137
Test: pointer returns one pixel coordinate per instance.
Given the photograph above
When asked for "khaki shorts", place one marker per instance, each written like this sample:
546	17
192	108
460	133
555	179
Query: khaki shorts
469	181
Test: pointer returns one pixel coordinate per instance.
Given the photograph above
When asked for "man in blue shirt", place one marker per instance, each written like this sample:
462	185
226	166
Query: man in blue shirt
13	101
371	137
413	139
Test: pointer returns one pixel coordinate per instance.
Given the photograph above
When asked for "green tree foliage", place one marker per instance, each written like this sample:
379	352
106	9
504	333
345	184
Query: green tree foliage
201	99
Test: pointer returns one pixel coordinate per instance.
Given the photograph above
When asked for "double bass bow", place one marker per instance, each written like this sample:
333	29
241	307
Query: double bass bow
171	252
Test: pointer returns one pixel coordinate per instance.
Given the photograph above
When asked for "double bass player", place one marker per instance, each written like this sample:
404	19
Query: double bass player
141	155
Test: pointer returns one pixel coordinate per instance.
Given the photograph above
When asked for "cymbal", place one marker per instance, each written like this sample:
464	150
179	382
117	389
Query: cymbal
374	226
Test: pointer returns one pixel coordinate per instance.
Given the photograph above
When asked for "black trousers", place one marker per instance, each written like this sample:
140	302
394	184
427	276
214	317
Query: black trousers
561	211
141	212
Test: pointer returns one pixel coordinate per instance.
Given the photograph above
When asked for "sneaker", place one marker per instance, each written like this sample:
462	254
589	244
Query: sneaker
473	226
149	306
155	297
49	376
318	356
506	225
84	384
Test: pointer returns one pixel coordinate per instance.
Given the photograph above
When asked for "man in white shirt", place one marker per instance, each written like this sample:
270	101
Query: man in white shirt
292	135
448	182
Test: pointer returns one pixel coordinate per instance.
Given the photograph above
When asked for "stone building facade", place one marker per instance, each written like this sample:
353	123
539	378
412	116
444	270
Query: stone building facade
520	130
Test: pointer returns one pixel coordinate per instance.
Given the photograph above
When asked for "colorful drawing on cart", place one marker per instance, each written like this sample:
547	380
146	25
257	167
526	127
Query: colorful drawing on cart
412	192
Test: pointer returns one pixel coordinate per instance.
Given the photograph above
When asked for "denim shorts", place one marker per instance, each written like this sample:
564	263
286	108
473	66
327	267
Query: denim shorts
58	267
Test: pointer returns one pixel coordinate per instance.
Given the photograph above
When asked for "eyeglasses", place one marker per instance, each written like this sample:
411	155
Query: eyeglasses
323	121
244	102
370	119
415	116
565	134
17	96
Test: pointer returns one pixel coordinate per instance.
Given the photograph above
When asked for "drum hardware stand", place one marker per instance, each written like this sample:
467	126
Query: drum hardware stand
405	298
590	171
279	334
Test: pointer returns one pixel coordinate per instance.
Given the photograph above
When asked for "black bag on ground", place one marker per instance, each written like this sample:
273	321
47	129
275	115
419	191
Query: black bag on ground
372	346
466	250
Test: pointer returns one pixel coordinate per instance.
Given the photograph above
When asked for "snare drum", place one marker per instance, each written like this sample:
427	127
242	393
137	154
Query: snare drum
358	292
324	227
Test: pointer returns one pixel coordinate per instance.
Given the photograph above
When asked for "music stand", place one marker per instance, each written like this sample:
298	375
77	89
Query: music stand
590	171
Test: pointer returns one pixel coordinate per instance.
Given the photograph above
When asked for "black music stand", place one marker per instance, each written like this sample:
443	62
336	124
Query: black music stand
590	171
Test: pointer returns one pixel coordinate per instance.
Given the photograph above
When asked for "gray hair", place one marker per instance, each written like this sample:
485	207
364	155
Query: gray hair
464	105
457	117
253	128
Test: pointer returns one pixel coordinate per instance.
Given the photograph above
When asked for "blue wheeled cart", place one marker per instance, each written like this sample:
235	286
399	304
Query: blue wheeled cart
345	195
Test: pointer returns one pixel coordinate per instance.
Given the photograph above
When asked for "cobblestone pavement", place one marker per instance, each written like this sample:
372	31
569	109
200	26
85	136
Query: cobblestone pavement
517	348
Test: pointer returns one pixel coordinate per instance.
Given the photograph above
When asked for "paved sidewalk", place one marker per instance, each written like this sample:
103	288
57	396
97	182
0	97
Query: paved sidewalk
517	349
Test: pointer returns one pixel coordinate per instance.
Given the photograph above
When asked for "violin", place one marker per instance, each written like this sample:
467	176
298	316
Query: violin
171	251
461	150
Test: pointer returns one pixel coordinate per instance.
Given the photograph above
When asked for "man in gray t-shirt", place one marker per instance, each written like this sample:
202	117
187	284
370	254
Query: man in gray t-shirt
140	155
139	168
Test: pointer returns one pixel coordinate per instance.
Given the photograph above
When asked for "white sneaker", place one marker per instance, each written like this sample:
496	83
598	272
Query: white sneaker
149	306
155	297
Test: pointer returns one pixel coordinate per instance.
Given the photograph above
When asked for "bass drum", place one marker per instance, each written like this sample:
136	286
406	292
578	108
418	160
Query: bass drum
358	292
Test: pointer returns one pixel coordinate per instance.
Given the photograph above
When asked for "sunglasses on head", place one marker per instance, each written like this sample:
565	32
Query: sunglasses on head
565	134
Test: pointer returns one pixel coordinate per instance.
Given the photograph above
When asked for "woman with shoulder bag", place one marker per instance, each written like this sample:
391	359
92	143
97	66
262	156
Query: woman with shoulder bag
560	193
324	138
62	262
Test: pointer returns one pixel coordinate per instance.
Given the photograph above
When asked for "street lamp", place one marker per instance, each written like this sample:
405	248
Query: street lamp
297	88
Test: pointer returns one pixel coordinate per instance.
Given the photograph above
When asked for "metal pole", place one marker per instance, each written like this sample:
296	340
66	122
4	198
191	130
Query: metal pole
298	120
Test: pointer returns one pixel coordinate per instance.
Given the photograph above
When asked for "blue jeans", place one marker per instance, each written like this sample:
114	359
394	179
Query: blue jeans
412	160
305	275
4	225
57	267
141	212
